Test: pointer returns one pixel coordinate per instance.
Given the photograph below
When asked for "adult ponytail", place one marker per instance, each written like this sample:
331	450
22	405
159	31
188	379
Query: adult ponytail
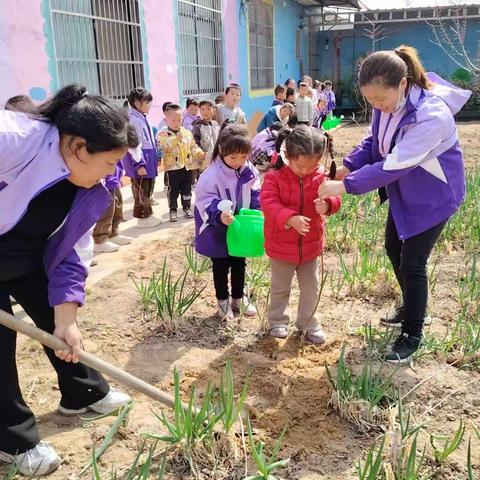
388	67
416	74
101	122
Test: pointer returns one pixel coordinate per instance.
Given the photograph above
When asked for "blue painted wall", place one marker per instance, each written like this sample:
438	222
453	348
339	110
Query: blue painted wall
287	19
340	64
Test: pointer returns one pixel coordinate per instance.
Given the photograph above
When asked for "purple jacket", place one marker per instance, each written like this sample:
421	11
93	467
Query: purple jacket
112	182
424	172
145	155
188	119
330	100
30	162
217	183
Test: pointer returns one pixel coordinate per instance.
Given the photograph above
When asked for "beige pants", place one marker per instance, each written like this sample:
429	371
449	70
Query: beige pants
282	275
107	226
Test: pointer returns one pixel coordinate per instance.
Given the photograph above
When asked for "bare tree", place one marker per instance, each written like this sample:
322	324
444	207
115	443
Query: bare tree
374	31
449	34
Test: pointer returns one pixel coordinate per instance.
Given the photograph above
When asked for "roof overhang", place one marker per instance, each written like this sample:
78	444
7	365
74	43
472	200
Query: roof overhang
356	4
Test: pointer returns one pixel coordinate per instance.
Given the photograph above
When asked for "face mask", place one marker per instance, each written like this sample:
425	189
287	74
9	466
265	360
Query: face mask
402	100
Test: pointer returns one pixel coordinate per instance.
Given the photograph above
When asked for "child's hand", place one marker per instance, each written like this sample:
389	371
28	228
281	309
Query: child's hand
300	223
226	218
142	171
321	206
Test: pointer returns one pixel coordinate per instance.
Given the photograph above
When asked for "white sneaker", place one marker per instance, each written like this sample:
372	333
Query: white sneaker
121	240
315	336
148	222
105	247
114	400
244	306
225	310
39	460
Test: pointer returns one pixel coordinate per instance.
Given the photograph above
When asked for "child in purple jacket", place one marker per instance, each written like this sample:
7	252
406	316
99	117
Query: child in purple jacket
412	150
142	164
232	177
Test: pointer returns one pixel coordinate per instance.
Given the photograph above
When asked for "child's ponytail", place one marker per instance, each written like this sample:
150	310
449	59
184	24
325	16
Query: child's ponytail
281	137
329	140
139	94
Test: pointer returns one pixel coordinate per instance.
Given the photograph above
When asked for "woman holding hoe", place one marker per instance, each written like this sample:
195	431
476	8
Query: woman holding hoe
51	165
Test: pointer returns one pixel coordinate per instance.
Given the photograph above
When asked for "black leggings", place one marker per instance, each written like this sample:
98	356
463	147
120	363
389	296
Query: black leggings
221	267
409	259
79	385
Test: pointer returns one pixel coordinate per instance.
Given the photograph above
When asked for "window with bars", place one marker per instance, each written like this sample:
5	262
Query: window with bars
201	46
98	44
260	29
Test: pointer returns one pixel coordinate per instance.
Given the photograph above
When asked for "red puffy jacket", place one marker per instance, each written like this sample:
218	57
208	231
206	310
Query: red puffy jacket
284	195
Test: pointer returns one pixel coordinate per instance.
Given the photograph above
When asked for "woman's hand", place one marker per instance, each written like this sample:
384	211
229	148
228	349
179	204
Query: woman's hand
142	171
226	218
331	188
300	223
342	172
321	206
66	329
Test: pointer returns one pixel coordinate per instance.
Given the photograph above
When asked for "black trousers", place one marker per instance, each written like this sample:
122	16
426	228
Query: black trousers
179	183
221	268
409	260
79	385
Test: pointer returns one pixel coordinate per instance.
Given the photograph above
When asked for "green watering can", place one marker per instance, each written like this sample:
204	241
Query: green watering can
245	235
332	122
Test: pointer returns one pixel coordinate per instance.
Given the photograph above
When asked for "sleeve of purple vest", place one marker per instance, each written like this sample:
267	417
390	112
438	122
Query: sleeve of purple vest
361	155
66	283
416	146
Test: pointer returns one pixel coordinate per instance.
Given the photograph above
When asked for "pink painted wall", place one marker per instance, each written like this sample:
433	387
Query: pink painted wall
162	54
23	58
230	28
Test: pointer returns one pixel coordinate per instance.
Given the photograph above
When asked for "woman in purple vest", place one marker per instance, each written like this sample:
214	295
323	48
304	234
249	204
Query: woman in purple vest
51	196
412	150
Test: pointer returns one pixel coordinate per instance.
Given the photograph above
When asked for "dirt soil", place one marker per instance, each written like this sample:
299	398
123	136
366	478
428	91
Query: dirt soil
288	380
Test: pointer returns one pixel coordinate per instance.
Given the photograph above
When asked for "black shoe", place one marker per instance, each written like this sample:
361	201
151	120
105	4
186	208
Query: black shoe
394	318
173	216
188	213
397	317
403	348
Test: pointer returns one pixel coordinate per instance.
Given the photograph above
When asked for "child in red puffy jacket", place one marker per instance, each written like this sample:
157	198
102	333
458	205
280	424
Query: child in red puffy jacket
294	225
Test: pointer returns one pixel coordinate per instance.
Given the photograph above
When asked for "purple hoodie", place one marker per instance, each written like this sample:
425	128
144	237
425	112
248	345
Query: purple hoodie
30	162
423	171
220	182
188	119
145	155
330	99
